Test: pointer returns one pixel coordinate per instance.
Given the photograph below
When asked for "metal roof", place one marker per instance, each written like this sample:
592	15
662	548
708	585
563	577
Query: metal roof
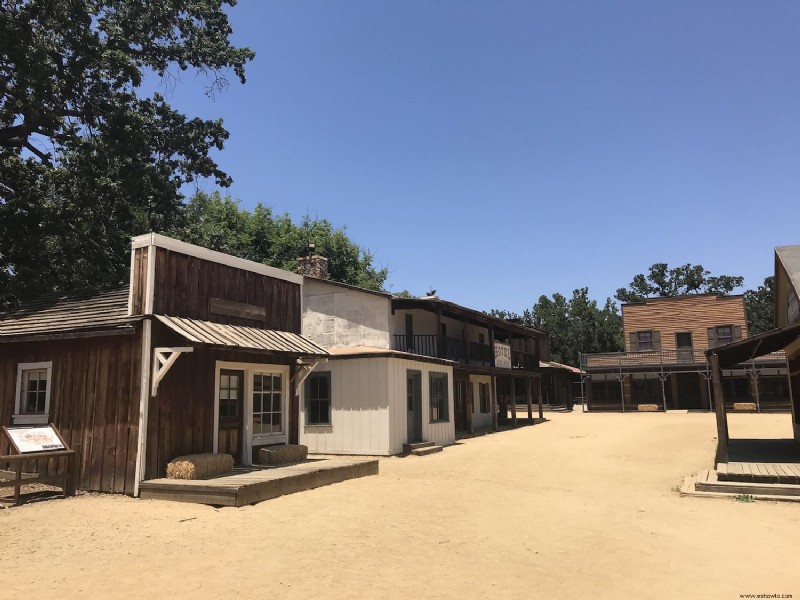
84	310
237	336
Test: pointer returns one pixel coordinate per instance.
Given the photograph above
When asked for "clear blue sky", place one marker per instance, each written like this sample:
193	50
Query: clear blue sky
499	150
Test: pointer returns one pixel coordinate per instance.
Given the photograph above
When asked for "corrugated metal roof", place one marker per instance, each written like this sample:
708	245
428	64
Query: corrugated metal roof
58	313
554	365
237	336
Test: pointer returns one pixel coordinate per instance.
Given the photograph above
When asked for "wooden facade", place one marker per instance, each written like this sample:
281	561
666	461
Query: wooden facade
698	315
102	354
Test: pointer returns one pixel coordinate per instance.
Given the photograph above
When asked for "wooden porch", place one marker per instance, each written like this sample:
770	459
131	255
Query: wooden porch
249	485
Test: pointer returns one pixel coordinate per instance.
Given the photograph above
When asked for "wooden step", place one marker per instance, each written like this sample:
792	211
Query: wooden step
753	489
408	448
427	450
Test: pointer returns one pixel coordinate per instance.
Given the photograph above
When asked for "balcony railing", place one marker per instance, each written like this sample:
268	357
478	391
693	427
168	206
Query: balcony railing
523	360
447	347
683	356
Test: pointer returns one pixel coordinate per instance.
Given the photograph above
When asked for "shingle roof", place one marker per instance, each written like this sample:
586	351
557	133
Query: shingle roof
237	336
74	311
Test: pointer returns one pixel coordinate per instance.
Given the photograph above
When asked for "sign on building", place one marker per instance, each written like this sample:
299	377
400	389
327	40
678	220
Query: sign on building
502	355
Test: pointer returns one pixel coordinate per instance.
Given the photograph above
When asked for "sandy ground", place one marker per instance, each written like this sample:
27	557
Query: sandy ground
580	507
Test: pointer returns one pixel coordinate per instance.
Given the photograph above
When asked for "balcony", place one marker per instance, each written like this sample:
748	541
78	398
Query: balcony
656	358
450	348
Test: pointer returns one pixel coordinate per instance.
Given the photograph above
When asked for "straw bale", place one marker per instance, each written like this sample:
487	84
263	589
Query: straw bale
745	406
647	407
200	466
282	455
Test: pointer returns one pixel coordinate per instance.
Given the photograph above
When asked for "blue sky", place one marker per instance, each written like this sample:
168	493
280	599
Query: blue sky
500	150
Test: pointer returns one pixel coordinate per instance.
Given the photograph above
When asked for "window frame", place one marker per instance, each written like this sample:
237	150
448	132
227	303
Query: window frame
318	375
729	337
271	393
443	403
21	418
649	341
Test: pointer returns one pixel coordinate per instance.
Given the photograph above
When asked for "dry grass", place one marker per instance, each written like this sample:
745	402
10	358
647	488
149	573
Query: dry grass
200	466
282	455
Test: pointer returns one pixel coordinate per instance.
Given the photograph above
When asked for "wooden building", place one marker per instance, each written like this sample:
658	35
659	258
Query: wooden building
407	371
784	338
664	365
201	352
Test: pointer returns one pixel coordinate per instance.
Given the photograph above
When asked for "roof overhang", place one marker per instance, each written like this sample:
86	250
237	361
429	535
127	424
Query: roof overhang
750	348
238	337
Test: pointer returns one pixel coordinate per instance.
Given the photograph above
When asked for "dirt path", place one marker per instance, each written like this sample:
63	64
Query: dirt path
580	507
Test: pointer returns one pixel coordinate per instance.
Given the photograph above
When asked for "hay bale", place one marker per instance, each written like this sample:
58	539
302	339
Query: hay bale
200	466
647	407
282	455
745	406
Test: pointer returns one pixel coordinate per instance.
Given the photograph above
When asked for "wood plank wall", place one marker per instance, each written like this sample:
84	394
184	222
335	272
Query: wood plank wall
94	402
181	416
184	286
139	279
685	313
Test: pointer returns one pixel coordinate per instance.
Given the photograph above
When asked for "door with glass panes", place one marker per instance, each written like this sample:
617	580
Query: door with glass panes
231	413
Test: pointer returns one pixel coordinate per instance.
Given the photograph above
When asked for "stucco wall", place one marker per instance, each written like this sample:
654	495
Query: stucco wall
338	317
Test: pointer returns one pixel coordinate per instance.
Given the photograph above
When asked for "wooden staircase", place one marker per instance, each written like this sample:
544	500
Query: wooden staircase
421	448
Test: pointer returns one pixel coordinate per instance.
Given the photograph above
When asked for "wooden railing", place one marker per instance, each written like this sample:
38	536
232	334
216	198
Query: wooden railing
467	352
427	345
686	356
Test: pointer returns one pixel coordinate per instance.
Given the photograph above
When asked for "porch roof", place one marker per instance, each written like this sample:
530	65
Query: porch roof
240	337
749	348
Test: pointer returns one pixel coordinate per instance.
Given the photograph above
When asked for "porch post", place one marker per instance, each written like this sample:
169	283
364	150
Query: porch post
513	403
539	393
494	403
722	417
528	398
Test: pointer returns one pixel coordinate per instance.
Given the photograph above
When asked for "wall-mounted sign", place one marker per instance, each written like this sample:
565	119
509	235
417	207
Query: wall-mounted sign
502	355
34	439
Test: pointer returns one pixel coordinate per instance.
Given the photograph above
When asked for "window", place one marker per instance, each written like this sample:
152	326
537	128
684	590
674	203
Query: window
792	308
32	404
438	396
230	397
318	399
724	335
483	395
683	339
645	340
267	403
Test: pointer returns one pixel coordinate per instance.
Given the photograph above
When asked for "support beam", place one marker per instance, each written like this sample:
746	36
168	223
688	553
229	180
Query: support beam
539	393
722	417
494	403
513	403
529	398
164	359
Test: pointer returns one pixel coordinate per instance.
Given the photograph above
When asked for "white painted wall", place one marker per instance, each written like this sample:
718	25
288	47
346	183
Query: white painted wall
479	419
338	317
359	409
368	408
424	322
442	434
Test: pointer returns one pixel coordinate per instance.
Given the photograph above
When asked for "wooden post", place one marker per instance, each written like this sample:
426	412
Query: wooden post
470	406
539	393
439	337
491	346
494	403
529	398
513	403
722	417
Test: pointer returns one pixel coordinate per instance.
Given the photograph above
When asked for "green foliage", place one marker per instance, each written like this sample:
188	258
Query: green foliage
404	294
574	325
85	161
219	223
686	279
745	498
759	305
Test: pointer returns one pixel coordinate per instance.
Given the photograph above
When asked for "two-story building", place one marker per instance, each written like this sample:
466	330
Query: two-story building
664	364
404	371
200	352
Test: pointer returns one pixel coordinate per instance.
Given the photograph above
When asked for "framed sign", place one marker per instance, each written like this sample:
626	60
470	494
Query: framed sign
35	439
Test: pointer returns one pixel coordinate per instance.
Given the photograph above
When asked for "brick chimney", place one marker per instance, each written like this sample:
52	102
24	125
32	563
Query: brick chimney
312	265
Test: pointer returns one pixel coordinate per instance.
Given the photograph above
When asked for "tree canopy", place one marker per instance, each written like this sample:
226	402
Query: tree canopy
86	159
220	223
759	306
685	279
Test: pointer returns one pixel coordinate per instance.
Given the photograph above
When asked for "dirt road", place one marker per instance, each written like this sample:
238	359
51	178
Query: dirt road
580	507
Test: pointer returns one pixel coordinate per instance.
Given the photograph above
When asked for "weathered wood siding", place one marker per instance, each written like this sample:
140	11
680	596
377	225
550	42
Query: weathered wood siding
139	280
694	314
181	416
94	403
184	286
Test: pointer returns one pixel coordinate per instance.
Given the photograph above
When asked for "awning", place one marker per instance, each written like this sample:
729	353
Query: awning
749	348
243	338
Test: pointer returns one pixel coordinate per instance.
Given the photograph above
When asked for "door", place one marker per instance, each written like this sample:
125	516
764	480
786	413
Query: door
461	400
414	400
231	413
